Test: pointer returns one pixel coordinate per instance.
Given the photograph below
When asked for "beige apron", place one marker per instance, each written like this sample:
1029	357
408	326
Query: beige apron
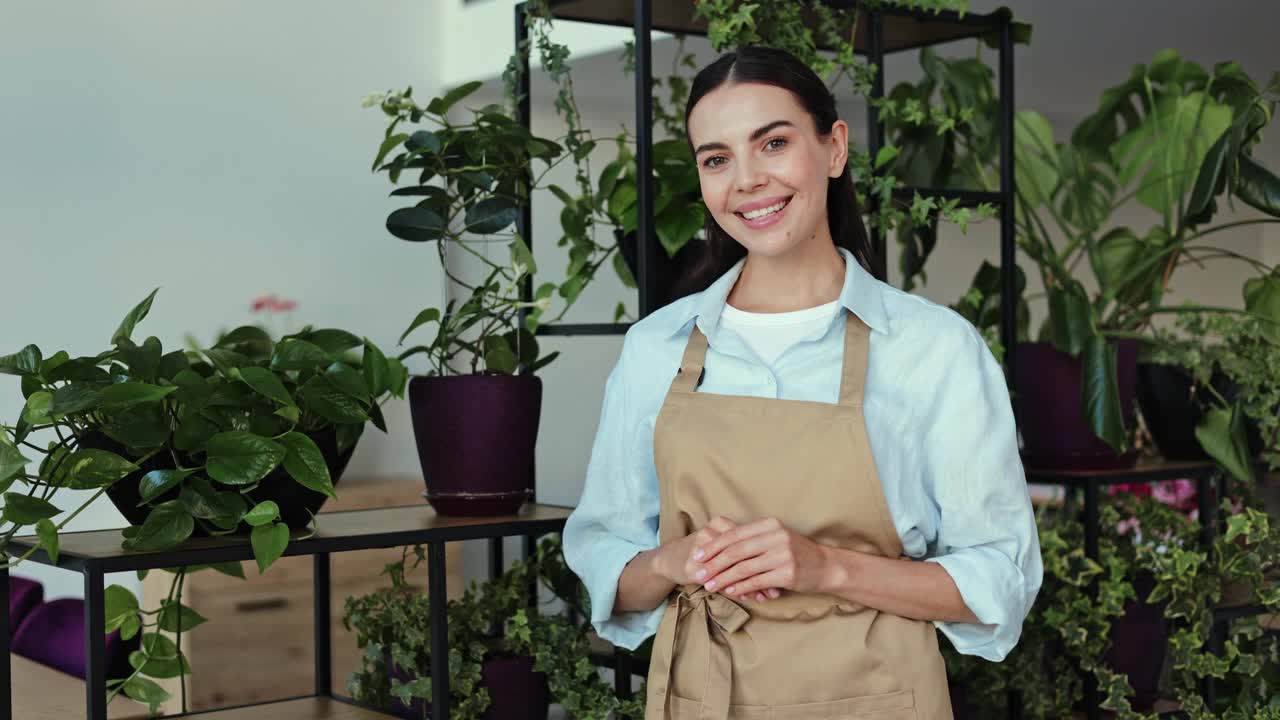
802	656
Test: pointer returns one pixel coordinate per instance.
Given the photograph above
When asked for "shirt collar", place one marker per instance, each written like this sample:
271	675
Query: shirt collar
861	295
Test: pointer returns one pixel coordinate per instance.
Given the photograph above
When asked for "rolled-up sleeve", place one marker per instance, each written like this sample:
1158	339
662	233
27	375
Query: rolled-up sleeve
987	538
617	515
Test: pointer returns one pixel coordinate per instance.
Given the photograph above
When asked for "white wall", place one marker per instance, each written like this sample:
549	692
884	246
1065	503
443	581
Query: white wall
217	150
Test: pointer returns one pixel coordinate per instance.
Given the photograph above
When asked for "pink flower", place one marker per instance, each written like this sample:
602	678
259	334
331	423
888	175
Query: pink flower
1180	494
273	304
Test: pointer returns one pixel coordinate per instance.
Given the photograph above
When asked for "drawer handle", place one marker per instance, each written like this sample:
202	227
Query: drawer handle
260	605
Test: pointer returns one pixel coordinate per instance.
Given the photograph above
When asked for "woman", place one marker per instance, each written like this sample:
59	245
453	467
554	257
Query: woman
763	512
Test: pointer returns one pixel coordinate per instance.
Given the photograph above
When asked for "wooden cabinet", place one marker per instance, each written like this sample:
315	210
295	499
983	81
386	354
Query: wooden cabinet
258	644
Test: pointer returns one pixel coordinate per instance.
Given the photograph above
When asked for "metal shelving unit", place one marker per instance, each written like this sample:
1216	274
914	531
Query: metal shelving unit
95	553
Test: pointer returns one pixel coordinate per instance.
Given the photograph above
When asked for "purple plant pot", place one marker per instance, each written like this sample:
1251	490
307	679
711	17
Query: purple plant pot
476	436
1139	639
1051	415
516	692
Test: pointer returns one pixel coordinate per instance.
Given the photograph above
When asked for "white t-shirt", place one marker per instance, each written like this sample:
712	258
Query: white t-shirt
770	334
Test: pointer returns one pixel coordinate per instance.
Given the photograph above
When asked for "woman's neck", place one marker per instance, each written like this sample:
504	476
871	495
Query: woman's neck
811	274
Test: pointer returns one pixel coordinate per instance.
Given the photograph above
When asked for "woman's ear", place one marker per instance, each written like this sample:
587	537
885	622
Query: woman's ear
839	139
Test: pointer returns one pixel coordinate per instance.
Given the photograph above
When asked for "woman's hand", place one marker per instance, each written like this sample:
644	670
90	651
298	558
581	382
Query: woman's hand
760	556
675	559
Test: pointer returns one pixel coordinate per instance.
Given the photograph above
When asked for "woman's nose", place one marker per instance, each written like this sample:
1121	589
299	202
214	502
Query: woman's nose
749	176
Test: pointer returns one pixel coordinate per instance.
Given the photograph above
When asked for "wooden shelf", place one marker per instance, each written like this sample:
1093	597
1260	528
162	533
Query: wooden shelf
1147	469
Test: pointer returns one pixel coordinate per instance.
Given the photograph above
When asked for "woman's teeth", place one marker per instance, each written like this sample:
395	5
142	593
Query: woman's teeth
761	212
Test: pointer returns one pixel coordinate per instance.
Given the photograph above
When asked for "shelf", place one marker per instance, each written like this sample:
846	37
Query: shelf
567	329
967	198
904	29
1146	470
308	708
335	532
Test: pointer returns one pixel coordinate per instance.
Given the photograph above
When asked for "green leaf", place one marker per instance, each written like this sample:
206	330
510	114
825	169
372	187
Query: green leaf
292	414
74	398
202	500
158	482
348	380
135	316
160	659
142	427
262	513
423	140
426	316
166	526
324	399
623	270
1258	187
48	535
1100	392
491	215
1221	433
146	691
120	606
377	375
194	431
1071	318
128	394
386	147
24	362
82	369
244	335
269	543
1262	298
85	469
241	458
397	377
348	435
231	569
375	417
11	461
416	224
267	383
37	410
498	356
441	105
305	463
332	340
885	156
1210	181
299	355
173	615
1036	158
142	360
52	363
21	509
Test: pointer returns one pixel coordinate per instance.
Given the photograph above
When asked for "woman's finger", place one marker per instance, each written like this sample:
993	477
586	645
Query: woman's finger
706	552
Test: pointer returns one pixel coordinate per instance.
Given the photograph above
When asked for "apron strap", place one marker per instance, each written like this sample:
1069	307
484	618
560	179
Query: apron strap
714	617
853	371
691	364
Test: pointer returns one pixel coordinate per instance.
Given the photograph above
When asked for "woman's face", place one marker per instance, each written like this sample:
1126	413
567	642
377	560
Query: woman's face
763	168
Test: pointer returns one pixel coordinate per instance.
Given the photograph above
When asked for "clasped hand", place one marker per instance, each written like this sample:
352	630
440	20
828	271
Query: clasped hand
756	560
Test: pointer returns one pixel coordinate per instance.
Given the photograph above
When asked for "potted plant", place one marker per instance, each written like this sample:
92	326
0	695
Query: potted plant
512	660
476	409
248	436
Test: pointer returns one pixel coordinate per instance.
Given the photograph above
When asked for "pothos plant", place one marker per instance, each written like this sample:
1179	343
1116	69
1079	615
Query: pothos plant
391	626
1067	631
187	439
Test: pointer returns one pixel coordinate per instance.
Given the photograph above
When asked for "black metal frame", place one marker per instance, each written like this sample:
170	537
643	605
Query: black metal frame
94	570
878	48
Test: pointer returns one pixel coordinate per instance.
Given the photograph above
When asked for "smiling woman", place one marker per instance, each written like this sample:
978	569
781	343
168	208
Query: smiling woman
797	452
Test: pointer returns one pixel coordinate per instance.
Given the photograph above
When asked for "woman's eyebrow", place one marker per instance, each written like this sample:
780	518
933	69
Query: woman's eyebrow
755	135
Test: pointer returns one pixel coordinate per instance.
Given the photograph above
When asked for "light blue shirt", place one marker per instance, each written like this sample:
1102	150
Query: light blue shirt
938	418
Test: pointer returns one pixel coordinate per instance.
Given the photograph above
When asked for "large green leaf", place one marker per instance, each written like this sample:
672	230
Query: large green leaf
428	315
244	335
159	657
267	383
38	409
202	500
77	369
135	316
1259	187
24	362
332	340
498	355
491	215
299	355
305	463
348	380
146	691
326	400
11	462
441	105
158	482
176	615
416	224
74	398
1070	316
120	606
1100	392
1118	253
1262	298
1221	433
263	513
1036	159
128	394
48	534
269	543
85	469
423	142
142	360
193	432
167	525
22	509
141	427
241	458
377	374
1211	180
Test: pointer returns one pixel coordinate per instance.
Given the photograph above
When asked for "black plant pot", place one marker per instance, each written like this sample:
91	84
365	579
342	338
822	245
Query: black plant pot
1050	413
669	269
297	503
1139	639
476	436
1172	407
516	692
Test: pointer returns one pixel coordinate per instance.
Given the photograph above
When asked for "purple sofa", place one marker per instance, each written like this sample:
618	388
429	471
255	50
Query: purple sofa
53	634
24	596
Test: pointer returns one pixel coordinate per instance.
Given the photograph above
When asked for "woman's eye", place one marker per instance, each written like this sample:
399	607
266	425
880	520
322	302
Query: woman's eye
714	161
776	144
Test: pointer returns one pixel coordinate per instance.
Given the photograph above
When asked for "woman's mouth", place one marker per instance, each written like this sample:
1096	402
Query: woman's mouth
765	216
